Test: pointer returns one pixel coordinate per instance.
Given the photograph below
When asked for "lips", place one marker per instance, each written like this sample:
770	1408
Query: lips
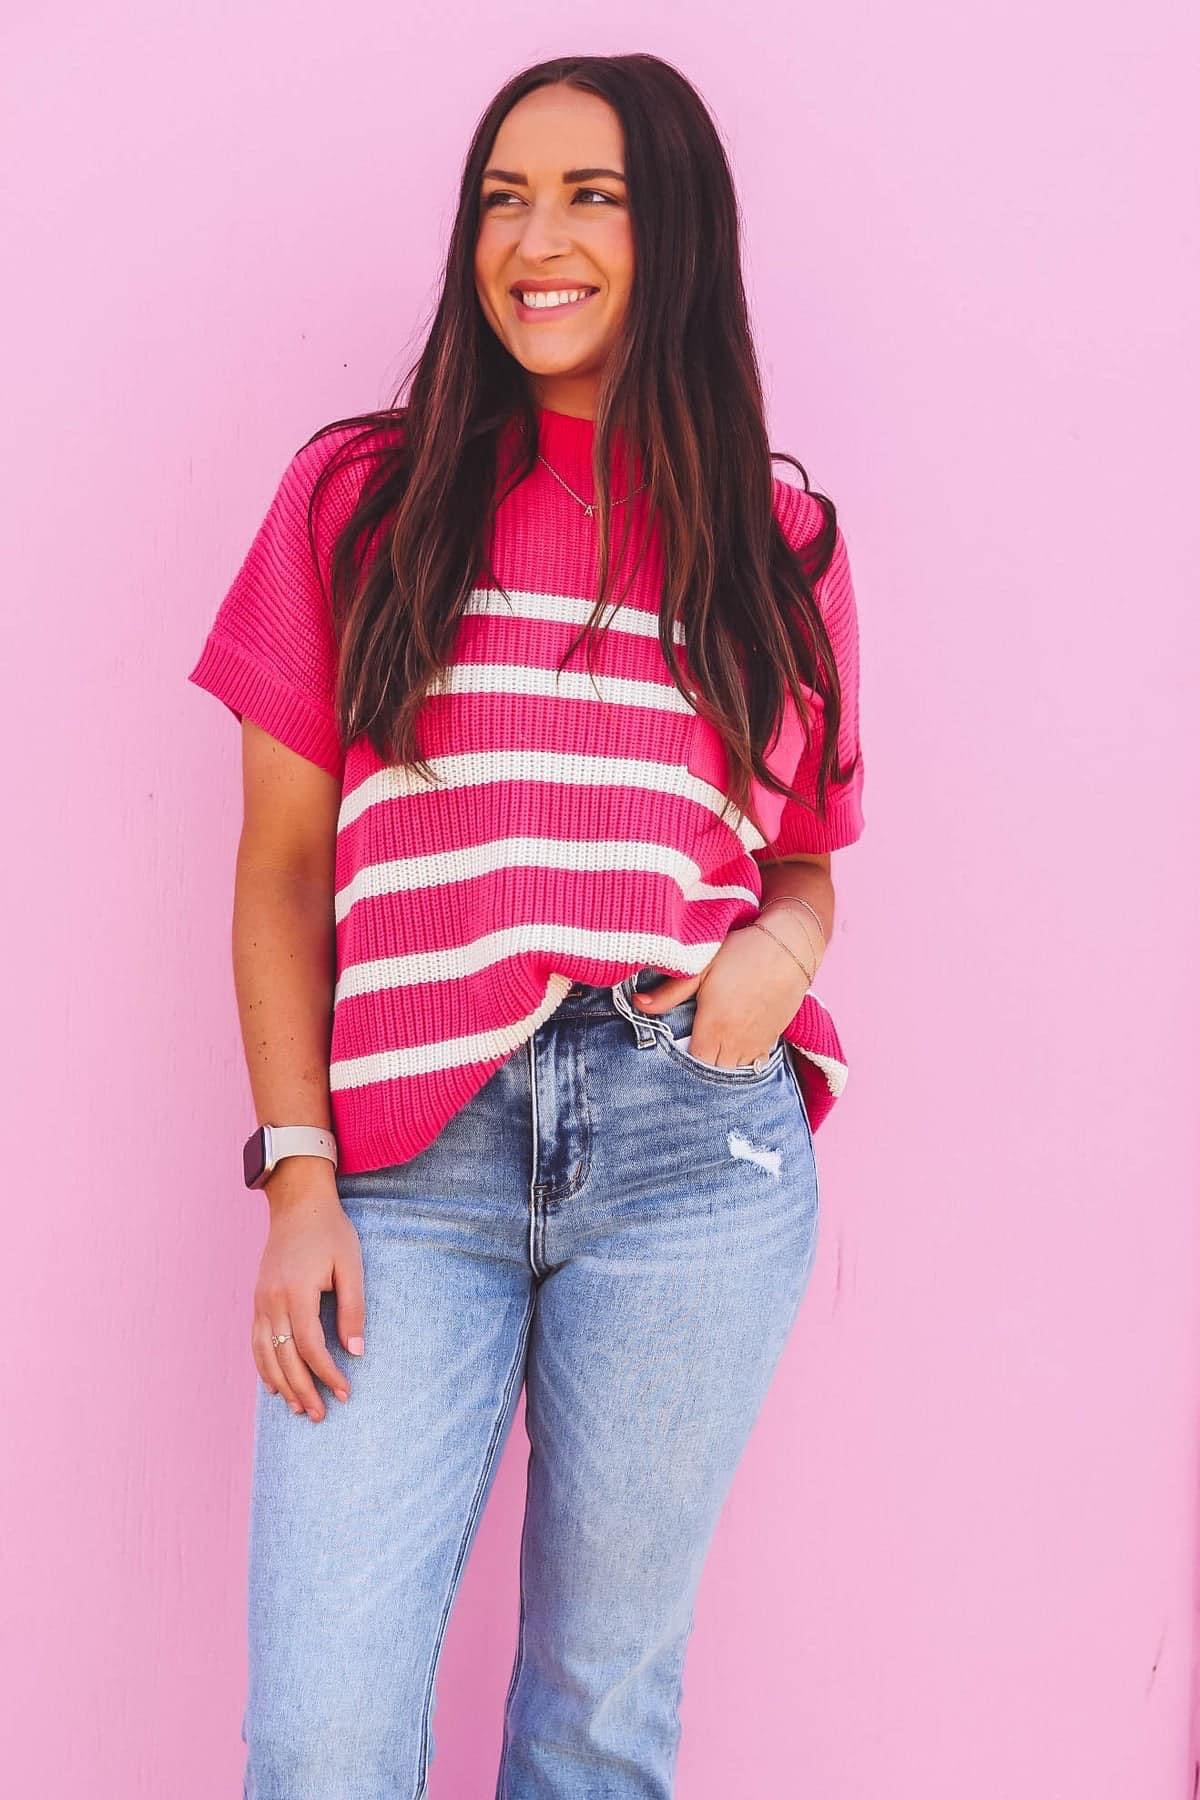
540	314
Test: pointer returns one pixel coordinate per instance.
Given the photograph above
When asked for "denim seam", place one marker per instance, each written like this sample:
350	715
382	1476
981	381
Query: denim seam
789	1053
568	1189
472	1517
519	1657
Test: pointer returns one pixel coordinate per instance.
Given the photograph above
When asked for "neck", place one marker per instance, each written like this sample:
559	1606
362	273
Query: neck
567	443
573	396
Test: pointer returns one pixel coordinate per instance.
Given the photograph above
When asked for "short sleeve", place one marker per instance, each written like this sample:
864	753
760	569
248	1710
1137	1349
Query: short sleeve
801	829
270	654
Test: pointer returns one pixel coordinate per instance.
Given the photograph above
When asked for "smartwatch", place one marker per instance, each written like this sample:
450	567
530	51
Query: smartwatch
266	1148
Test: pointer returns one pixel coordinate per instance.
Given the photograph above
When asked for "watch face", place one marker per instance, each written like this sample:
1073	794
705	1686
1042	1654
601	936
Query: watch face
254	1157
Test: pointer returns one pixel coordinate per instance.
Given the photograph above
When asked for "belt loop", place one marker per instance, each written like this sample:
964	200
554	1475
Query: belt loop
642	1028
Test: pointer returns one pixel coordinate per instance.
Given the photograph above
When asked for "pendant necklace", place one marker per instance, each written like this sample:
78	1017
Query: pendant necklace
589	509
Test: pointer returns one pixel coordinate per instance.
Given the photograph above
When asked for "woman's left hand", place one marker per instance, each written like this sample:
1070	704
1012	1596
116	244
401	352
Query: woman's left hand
744	998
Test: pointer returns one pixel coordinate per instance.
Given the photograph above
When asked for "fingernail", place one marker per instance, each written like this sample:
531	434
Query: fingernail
341	1393
356	1346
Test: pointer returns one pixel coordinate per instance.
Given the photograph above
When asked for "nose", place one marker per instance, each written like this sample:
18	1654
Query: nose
545	233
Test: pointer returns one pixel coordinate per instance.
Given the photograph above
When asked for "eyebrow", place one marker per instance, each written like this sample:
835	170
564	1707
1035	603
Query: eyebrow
511	175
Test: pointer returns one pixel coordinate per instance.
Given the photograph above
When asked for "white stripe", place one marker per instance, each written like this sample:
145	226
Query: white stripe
450	1053
565	609
559	684
835	1073
562	768
483	1046
441	868
538	936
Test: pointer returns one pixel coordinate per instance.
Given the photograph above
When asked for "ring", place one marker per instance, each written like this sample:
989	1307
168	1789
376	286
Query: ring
280	1337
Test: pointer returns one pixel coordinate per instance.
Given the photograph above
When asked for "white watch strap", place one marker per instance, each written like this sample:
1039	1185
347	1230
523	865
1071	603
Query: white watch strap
299	1140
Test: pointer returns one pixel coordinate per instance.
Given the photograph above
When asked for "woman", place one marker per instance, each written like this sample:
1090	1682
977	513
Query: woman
523	947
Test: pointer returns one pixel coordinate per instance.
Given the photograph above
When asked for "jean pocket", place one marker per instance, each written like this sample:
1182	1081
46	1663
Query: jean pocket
676	1048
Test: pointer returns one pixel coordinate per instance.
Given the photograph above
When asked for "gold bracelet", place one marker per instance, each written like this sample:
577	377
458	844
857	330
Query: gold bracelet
817	954
808	973
783	899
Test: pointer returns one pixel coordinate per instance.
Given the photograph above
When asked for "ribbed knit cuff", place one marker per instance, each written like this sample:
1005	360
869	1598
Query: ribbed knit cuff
255	693
804	831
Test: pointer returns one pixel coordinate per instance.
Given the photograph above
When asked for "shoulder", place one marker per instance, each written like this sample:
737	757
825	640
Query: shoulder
799	512
809	523
323	482
339	459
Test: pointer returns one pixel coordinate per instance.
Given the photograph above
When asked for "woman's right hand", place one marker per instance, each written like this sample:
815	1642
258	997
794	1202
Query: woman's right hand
311	1245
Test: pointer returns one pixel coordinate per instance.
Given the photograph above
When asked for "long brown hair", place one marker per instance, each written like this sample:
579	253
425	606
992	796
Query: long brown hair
682	385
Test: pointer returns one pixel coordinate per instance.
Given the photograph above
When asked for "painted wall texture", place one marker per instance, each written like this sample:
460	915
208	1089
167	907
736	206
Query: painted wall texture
959	1556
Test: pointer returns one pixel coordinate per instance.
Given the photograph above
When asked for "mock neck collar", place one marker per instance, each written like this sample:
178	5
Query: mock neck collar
566	442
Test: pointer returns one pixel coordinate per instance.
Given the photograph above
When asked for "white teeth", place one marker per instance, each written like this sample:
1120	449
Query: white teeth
559	297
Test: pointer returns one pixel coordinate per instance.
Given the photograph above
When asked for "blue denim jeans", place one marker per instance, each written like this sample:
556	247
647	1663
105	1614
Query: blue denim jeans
628	1232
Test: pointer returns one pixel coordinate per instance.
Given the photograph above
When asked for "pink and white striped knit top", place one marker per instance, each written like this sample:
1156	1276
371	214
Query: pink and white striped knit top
575	832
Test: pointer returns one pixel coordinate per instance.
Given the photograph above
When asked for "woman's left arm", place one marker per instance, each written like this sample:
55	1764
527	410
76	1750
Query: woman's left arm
752	987
802	877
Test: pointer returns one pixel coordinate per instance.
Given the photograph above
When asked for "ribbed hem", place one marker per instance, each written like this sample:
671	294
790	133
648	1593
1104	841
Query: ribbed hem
819	1060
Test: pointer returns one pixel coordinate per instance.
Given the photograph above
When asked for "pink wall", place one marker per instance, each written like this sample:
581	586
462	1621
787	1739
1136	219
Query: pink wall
958	1559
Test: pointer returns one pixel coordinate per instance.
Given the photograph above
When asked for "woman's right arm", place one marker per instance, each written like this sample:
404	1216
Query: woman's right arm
284	972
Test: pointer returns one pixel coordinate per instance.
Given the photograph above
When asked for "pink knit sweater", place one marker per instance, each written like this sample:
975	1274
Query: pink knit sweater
574	834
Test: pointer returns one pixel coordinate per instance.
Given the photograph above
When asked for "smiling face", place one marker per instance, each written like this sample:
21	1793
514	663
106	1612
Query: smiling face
554	223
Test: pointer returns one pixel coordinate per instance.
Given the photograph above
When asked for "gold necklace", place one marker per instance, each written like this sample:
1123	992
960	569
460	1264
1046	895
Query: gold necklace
589	509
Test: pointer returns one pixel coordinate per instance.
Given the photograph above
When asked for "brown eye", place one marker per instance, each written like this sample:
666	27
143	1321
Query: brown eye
489	200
